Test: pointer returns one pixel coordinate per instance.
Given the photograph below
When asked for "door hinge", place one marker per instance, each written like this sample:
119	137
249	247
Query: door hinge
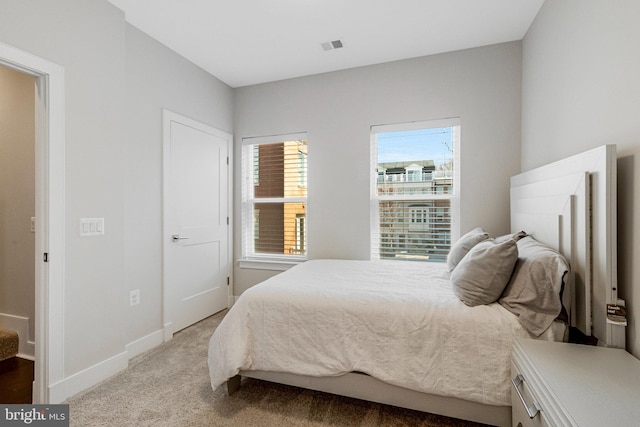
227	220
227	160
45	257
228	281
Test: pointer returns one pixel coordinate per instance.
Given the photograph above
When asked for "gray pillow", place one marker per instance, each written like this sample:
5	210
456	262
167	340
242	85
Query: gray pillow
481	276
513	236
537	286
464	245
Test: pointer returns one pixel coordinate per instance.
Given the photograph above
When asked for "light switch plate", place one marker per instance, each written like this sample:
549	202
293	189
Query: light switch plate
91	227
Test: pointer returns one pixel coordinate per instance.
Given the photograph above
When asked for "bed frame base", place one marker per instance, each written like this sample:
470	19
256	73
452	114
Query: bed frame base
365	387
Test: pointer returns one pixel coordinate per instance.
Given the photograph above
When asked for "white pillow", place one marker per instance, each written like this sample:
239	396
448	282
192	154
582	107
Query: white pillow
464	245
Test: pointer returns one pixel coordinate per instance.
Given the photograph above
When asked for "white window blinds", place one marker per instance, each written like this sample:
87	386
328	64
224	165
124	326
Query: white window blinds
414	183
274	197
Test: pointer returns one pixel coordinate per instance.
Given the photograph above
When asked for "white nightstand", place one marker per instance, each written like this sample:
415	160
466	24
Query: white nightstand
573	385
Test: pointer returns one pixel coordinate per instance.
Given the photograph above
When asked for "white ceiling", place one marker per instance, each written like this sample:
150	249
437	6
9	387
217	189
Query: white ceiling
244	42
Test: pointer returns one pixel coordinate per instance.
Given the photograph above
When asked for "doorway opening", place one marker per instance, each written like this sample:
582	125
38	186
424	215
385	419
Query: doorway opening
48	218
17	235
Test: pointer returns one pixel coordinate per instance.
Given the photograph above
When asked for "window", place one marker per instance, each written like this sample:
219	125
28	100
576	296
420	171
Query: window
419	215
413	189
274	198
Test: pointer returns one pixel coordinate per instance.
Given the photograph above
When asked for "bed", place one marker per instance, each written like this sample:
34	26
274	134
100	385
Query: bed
397	332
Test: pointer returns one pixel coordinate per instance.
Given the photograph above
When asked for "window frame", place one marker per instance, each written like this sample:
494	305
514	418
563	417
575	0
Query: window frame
249	258
375	198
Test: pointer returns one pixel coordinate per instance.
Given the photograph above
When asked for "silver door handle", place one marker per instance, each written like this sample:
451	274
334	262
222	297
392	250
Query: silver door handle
176	237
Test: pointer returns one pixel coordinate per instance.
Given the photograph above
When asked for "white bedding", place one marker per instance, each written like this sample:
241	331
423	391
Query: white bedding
398	321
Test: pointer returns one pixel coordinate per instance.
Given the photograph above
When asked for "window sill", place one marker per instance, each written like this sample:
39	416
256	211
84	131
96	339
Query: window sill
269	264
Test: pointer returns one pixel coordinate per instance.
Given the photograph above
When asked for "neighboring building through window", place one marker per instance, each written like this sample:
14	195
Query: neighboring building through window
415	183
274	197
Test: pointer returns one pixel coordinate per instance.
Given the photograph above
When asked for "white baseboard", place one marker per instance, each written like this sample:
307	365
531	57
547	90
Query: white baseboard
99	372
167	331
87	378
20	324
144	344
30	351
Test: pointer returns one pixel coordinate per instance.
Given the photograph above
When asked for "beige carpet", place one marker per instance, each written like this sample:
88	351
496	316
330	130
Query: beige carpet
169	386
9	344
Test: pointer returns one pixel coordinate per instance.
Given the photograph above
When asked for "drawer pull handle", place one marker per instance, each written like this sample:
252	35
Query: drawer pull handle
532	410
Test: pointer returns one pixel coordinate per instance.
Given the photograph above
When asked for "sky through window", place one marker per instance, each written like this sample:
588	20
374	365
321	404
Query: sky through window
424	144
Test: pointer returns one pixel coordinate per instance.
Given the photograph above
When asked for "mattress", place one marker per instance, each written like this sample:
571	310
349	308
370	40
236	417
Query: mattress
398	321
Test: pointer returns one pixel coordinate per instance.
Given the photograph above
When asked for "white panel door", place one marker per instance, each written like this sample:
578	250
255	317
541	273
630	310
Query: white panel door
196	240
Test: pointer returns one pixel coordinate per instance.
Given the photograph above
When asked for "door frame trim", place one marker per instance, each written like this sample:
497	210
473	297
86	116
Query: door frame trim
169	116
50	215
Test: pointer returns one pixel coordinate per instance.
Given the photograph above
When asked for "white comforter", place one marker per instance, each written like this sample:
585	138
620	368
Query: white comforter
397	321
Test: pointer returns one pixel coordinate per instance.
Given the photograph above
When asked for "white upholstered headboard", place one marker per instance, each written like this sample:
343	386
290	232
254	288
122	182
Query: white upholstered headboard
571	206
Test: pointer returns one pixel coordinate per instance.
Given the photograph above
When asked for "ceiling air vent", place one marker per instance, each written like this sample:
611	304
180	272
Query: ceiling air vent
335	44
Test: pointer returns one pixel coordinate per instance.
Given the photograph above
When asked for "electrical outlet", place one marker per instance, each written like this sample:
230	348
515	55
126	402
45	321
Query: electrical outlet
134	297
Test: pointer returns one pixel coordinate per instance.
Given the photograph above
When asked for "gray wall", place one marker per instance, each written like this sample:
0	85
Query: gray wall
157	78
116	82
481	86
581	90
17	195
87	38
